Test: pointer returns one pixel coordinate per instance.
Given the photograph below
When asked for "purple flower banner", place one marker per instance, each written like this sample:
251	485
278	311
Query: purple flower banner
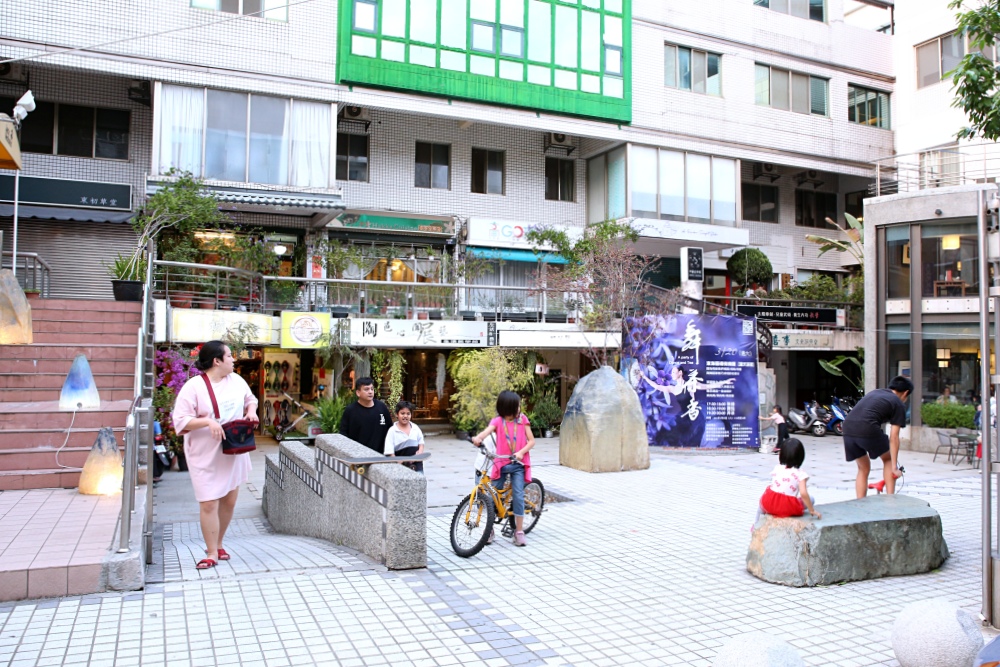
696	377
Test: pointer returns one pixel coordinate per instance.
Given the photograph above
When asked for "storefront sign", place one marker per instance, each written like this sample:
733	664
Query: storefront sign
420	333
787	314
62	192
508	233
692	264
394	223
198	326
545	338
303	330
696	377
10	147
809	340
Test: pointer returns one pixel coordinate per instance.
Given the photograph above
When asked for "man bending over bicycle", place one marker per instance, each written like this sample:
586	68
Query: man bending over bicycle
514	441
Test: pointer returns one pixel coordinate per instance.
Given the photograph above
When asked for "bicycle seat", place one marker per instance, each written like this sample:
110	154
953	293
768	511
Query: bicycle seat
878	486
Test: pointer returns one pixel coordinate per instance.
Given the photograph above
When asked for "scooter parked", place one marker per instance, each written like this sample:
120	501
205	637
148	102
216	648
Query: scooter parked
836	421
806	421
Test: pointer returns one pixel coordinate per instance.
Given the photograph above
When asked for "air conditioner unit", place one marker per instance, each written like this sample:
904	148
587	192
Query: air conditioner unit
559	139
765	170
13	72
355	113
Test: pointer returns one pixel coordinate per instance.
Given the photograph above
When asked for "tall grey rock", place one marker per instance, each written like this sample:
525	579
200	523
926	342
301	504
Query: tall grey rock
603	428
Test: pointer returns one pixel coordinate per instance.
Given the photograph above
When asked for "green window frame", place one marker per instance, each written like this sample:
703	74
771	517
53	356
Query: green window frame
553	55
866	106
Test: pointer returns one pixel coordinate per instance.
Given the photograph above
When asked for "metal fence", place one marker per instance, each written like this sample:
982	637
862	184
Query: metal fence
943	167
187	285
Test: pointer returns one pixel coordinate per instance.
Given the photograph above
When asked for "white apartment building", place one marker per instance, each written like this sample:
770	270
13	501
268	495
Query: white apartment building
922	271
454	125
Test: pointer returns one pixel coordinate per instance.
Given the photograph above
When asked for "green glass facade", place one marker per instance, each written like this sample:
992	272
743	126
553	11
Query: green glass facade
571	57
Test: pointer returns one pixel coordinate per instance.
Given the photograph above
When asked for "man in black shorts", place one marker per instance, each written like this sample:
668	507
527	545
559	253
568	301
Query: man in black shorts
864	437
367	420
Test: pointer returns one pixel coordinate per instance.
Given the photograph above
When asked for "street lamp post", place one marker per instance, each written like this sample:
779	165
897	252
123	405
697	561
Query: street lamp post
24	106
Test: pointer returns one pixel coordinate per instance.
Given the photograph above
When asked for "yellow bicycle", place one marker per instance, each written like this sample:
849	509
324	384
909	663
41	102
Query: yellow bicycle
472	524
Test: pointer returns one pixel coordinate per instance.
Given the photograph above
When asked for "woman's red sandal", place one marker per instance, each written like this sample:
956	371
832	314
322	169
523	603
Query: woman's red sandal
205	563
222	554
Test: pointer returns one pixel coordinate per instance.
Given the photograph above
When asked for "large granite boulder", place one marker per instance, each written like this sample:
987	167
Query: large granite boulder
756	649
15	313
603	428
877	536
935	633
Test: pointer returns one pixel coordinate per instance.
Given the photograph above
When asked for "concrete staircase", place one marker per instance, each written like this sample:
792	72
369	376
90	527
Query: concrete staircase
32	428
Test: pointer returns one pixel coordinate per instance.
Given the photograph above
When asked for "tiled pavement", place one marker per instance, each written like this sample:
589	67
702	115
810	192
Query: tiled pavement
53	541
640	568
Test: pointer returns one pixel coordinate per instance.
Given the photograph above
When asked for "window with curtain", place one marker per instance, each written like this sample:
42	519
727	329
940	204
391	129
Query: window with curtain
182	110
939	56
642	177
288	144
782	89
310	155
691	69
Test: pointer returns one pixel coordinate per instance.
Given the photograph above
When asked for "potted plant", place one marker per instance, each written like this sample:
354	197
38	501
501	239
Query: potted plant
31	293
128	273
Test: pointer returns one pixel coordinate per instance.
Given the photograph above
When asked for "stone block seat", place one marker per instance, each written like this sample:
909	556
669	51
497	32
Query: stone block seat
877	536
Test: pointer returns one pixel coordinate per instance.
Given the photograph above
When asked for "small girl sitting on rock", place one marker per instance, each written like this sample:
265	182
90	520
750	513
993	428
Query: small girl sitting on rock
787	494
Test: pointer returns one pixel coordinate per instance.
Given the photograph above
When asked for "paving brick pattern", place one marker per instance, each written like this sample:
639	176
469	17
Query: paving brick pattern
641	568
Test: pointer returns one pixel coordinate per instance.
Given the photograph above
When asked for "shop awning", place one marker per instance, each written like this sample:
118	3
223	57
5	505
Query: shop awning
509	255
64	213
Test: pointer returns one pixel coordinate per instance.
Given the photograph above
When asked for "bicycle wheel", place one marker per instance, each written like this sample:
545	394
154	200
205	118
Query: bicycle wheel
534	501
471	525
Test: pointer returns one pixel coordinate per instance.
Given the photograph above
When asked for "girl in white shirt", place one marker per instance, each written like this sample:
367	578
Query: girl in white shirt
787	494
404	437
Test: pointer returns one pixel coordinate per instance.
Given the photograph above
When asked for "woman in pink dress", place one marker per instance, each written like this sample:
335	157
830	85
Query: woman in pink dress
216	477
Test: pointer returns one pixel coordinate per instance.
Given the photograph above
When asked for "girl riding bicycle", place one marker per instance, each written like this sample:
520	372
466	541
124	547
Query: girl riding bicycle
514	441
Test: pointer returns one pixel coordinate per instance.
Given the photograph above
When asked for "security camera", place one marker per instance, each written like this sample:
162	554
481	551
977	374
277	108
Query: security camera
27	101
24	106
994	205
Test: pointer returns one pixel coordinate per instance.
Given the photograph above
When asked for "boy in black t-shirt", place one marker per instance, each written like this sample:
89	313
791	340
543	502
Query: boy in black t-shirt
864	437
367	420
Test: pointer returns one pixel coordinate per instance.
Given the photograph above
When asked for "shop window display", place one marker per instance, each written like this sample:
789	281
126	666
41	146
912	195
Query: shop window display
898	261
949	260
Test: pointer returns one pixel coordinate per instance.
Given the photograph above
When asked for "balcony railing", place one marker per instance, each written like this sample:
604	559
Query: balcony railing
224	288
960	165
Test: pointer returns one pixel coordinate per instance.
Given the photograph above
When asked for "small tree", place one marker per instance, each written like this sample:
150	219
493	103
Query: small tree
605	277
976	79
749	266
172	214
480	375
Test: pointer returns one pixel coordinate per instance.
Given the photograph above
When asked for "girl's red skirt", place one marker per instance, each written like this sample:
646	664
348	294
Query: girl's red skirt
778	504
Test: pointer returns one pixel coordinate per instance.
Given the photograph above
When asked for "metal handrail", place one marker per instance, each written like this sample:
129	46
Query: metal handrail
37	272
936	168
213	286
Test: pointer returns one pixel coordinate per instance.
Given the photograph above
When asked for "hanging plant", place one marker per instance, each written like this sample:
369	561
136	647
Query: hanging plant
395	363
